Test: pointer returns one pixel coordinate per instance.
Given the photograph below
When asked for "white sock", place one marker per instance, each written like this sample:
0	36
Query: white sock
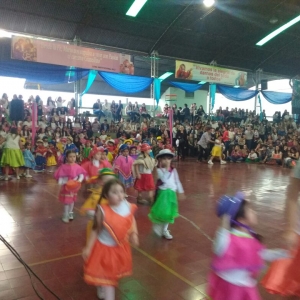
66	210
165	227
71	207
27	171
109	292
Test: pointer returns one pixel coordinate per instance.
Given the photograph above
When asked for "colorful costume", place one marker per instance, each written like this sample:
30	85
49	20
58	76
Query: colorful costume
93	167
65	173
40	158
29	159
165	207
111	258
123	166
146	165
283	277
89	206
51	157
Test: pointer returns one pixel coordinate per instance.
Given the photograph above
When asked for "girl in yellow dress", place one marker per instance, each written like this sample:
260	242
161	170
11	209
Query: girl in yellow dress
217	152
51	157
89	206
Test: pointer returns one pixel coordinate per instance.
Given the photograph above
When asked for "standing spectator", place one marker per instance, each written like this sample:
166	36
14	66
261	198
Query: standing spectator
249	137
181	136
186	113
203	143
119	111
12	156
113	109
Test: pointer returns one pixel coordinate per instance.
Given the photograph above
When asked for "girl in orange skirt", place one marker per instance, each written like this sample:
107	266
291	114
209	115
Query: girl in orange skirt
144	166
283	277
107	254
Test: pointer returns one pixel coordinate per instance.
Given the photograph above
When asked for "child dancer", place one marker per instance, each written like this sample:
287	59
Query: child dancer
29	160
90	205
165	207
217	152
123	167
40	156
238	253
86	151
107	254
133	152
68	171
143	168
51	157
96	163
283	277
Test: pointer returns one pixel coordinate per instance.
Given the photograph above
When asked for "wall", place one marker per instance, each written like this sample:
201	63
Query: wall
200	98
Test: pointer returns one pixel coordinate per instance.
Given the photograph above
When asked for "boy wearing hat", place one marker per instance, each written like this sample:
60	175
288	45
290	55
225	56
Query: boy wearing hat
165	208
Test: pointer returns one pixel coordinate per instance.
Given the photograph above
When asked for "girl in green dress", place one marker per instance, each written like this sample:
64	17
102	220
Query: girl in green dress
165	208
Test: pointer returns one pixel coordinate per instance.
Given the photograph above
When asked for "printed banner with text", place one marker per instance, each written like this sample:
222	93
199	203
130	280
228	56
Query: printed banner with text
197	72
57	53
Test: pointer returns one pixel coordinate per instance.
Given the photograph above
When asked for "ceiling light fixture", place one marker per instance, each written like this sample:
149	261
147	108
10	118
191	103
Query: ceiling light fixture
165	76
208	3
202	82
236	86
278	31
135	8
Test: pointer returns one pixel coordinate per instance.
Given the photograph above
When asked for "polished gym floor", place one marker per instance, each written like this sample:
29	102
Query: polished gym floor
30	221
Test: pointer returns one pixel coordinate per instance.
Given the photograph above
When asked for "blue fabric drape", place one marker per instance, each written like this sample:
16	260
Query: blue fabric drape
188	87
126	83
212	94
157	87
277	97
89	83
236	94
40	73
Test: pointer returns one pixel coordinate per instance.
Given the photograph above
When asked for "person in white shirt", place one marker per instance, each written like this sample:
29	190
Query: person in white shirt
165	207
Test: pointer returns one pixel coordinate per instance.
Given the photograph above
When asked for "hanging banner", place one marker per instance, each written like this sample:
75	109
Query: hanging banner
57	53
212	74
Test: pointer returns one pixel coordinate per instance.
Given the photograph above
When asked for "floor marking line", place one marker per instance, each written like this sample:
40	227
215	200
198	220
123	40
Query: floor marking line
168	269
197	227
54	259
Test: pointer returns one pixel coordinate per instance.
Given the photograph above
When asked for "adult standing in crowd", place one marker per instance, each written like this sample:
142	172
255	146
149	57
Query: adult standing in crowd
249	137
204	142
12	156
181	136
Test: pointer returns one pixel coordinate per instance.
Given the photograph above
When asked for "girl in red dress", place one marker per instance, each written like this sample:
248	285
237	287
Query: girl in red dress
144	166
96	162
107	254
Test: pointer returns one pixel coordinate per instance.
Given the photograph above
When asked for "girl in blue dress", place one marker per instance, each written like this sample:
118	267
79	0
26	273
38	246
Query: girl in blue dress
29	160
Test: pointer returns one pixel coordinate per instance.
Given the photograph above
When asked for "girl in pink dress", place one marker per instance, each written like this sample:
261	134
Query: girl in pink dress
238	254
123	167
65	173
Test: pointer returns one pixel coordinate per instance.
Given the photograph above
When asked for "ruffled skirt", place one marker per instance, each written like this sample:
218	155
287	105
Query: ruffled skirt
106	265
219	289
283	276
146	183
165	207
66	197
129	182
12	157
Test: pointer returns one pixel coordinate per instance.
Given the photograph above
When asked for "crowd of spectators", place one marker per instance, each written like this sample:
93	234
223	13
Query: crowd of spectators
242	135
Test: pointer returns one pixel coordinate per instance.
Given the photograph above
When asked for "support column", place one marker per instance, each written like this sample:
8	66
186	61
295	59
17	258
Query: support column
77	83
154	74
257	83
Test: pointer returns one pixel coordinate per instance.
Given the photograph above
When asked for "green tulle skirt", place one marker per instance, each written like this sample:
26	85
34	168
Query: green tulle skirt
165	207
12	157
